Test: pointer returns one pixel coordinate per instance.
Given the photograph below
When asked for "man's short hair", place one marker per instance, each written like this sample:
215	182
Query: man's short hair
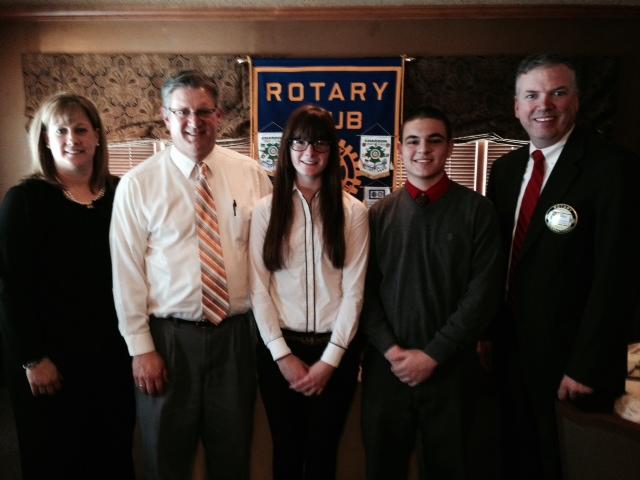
428	111
188	79
544	60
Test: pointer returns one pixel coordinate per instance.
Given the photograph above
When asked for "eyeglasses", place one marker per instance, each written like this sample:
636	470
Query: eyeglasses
320	146
201	113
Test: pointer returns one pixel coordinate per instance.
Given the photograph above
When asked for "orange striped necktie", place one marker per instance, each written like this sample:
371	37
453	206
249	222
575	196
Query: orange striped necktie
215	295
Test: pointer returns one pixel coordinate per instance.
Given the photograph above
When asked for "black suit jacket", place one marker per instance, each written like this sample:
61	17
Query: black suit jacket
570	296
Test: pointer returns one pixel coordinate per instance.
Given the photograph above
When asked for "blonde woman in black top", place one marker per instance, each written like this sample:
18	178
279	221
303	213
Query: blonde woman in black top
67	366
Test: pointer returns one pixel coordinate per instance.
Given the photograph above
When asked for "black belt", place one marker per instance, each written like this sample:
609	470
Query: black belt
309	339
183	321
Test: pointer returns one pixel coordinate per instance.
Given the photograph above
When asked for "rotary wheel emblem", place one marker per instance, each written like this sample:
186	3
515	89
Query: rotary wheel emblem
374	154
269	154
350	167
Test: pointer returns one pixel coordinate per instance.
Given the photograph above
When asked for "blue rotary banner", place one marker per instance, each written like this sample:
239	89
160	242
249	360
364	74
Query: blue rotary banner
364	97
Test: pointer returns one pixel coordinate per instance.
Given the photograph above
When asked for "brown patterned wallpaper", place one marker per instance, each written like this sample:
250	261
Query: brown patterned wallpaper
126	88
476	91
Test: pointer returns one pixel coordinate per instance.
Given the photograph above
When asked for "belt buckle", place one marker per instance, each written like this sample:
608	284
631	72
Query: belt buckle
203	323
308	340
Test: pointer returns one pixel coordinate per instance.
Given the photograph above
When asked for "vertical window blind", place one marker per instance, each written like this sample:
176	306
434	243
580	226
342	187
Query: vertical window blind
469	164
123	156
471	160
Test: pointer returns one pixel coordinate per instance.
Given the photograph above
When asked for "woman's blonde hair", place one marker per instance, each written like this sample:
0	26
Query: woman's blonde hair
57	106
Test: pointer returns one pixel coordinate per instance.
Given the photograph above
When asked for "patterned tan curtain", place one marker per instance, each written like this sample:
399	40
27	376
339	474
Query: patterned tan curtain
476	91
126	88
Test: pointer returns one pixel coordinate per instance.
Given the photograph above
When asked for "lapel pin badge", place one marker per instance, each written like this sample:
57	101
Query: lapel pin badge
561	218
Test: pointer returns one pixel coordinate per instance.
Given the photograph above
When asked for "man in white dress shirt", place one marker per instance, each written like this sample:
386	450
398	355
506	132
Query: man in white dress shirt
195	377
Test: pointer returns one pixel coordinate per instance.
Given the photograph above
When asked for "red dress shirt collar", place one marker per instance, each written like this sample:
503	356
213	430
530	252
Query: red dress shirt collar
433	194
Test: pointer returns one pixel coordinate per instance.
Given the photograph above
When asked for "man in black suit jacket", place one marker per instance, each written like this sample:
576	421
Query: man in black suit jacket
560	334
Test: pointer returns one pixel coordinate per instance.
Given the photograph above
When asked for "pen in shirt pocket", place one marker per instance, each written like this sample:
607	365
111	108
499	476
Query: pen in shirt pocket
234	207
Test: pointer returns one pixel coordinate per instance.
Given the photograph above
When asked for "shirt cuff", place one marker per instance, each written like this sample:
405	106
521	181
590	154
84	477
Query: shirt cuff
438	351
140	343
332	354
278	348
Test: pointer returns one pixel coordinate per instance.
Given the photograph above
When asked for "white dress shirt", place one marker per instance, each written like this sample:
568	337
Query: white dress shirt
309	294
154	243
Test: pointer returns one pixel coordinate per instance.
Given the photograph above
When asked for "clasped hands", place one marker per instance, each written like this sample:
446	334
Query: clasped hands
411	366
305	379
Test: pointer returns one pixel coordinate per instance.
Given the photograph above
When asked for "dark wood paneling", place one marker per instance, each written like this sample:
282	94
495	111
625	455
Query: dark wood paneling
430	12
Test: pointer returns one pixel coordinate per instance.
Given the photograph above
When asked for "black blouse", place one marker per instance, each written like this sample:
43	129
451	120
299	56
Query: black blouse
55	274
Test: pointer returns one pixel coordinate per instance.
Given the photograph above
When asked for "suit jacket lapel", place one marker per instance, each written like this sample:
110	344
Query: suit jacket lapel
565	171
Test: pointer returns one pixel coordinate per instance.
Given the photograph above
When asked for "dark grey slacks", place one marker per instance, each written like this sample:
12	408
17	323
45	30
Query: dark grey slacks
394	415
210	395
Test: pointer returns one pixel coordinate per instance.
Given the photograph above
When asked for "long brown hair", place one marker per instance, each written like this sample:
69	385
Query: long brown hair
311	123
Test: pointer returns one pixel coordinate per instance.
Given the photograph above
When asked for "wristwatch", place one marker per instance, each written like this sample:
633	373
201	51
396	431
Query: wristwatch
30	364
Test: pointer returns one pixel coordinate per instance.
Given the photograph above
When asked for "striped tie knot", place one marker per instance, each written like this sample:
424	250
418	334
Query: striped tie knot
203	171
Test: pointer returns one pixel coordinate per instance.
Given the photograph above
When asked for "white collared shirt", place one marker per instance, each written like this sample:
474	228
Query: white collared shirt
309	294
154	243
551	156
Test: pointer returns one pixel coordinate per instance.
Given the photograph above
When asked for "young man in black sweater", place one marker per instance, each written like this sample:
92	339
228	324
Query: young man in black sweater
434	282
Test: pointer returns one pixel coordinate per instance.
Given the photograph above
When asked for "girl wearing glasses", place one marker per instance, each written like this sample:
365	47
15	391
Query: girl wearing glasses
309	246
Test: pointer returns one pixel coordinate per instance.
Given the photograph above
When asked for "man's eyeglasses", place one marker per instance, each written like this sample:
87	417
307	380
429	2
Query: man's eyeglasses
320	146
201	113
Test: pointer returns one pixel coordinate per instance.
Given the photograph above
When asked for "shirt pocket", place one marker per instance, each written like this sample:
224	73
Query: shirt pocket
239	222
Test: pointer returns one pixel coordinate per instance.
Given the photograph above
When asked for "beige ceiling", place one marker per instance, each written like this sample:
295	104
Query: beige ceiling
98	4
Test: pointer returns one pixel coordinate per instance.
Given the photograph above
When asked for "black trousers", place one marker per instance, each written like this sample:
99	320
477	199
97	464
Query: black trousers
306	431
529	442
437	416
529	435
83	431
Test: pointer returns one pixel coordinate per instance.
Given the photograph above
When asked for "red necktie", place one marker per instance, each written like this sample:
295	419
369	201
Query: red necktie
527	207
215	296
